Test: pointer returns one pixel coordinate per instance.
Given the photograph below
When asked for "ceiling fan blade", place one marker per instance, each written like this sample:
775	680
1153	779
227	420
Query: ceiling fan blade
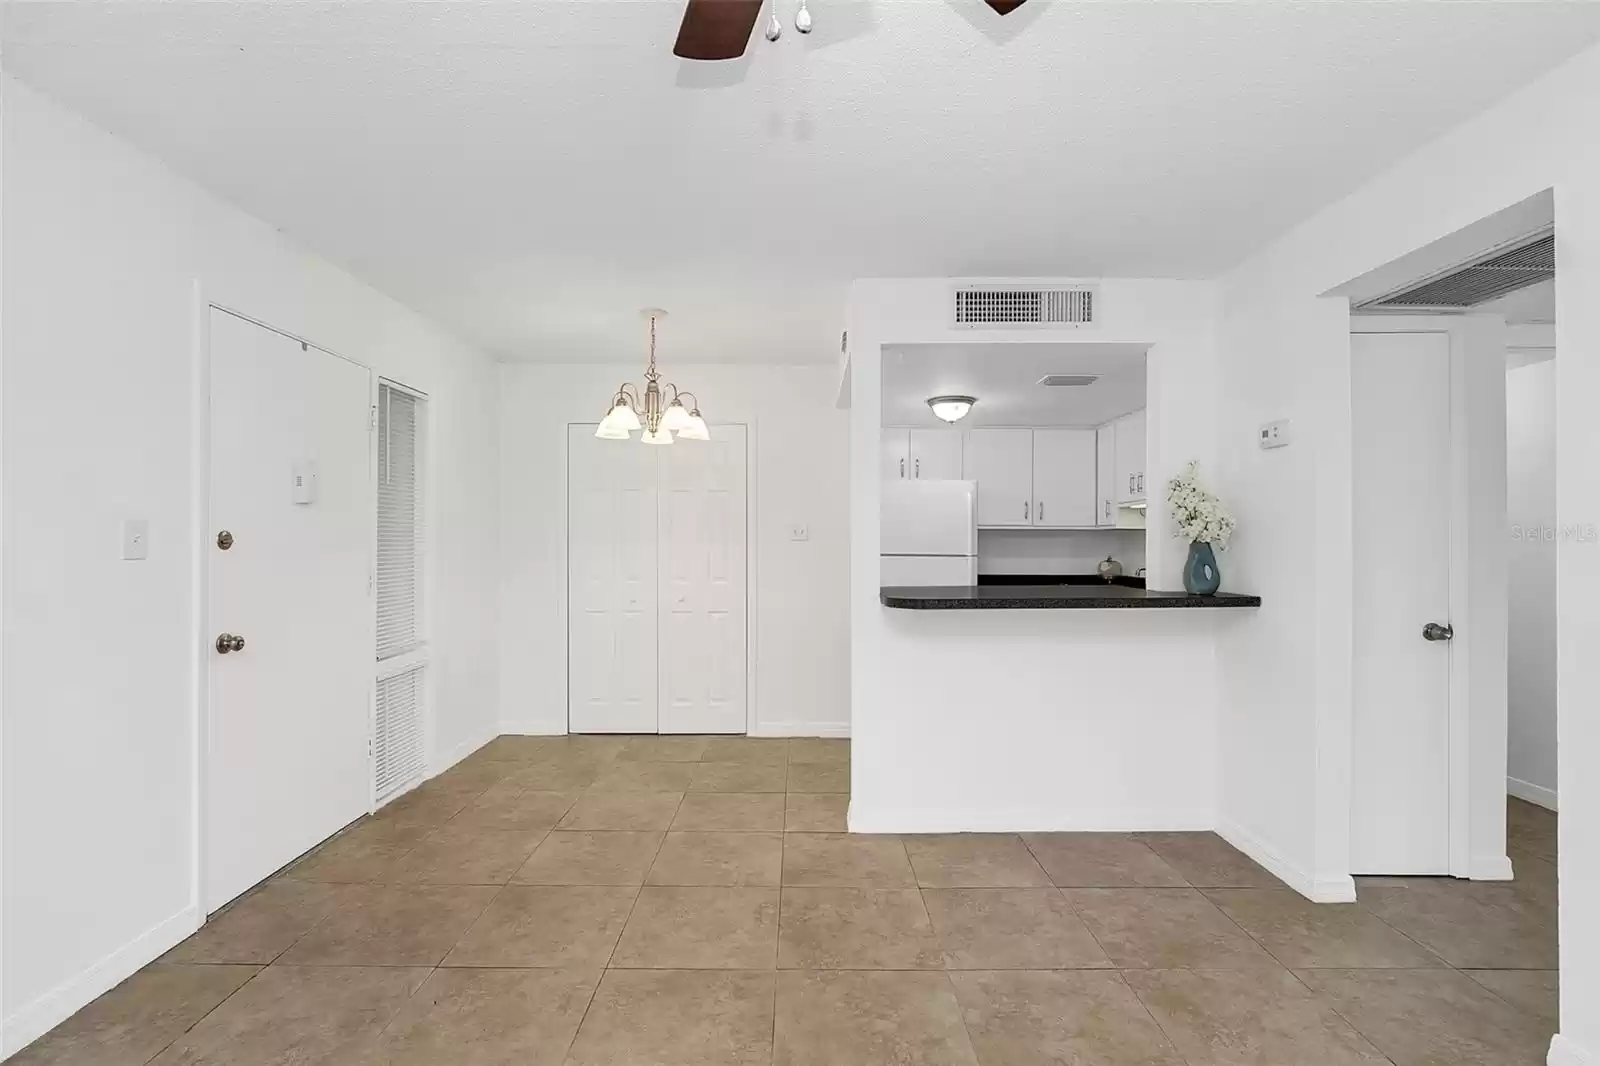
1004	7
716	29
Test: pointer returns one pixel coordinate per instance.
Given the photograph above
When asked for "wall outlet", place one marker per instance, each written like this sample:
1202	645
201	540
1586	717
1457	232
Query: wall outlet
135	538
799	531
1274	434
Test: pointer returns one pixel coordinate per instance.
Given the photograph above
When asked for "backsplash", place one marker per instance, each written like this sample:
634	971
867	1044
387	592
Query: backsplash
1067	551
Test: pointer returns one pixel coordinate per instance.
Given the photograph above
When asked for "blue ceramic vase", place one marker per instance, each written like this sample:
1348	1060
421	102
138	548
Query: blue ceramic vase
1200	575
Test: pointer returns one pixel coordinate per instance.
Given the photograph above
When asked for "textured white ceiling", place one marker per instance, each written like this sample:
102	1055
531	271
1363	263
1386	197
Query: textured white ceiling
532	172
1004	378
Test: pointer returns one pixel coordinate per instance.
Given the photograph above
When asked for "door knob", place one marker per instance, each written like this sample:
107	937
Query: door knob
1435	631
227	642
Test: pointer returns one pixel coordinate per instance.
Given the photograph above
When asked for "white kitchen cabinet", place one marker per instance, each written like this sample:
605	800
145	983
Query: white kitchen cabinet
926	454
935	455
1105	512
896	460
1001	462
1064	477
1130	484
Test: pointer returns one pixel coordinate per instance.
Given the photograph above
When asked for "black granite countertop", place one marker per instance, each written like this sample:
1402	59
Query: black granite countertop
1048	597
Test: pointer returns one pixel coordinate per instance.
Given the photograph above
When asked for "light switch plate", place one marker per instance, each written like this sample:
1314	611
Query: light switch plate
1274	434
799	531
135	538
304	481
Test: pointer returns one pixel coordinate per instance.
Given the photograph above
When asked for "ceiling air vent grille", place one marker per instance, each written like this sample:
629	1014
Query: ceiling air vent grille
1038	308
1478	282
1068	380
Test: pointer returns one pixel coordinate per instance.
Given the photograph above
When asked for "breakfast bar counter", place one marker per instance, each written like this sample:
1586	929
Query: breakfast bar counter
1049	597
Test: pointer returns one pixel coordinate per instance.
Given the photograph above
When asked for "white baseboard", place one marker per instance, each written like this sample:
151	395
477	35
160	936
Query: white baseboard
1527	790
763	729
1564	1052
459	752
864	818
534	728
801	729
33	1020
1340	888
1489	868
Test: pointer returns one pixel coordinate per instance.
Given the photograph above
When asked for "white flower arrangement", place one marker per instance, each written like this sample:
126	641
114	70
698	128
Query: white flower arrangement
1197	514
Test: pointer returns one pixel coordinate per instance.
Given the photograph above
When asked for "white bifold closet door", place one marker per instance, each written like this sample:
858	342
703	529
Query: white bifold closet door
656	548
611	578
701	553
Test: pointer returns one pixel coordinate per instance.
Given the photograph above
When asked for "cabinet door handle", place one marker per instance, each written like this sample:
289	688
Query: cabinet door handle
1038	512
1024	510
902	468
919	466
1141	482
1130	484
1108	508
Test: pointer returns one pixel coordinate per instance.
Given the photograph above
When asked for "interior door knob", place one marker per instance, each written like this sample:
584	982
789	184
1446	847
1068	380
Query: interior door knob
1435	631
227	642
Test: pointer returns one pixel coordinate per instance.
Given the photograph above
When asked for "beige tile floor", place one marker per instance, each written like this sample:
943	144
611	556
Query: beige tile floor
596	901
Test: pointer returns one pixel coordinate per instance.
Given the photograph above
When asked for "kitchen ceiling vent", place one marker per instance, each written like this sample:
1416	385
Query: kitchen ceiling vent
1068	380
1036	308
1467	285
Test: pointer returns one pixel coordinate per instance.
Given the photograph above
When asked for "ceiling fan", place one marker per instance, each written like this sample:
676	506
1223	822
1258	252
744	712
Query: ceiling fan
720	29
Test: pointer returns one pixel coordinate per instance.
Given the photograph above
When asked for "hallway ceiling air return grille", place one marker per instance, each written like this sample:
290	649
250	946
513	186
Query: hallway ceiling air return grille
1475	283
993	307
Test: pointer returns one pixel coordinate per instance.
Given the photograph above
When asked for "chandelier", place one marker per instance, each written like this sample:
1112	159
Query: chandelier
633	408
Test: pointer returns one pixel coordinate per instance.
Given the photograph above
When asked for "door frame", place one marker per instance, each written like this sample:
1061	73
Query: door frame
1474	546
750	547
200	528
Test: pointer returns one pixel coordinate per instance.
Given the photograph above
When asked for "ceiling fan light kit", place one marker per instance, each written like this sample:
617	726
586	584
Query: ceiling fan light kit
633	408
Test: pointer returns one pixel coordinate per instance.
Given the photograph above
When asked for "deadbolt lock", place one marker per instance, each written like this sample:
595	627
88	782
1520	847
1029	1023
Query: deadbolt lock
224	540
227	642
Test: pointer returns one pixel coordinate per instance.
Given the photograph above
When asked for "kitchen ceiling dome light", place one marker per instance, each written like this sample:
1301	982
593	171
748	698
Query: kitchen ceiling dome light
633	408
951	408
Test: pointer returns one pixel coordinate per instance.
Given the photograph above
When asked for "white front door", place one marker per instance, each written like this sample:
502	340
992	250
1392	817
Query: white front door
289	716
702	552
611	561
1401	474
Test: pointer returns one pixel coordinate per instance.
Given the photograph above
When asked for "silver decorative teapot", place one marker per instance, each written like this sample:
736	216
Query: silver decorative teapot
1109	569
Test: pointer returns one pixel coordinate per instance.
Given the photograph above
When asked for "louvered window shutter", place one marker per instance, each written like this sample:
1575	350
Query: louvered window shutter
399	523
397	755
398	730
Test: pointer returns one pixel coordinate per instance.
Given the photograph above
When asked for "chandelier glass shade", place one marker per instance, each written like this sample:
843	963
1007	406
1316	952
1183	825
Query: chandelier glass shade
649	409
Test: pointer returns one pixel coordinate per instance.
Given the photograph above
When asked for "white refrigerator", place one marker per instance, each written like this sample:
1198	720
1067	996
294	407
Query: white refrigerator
929	533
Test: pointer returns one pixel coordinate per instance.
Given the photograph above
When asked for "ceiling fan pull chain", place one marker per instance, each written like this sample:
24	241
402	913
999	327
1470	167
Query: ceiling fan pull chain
774	27
802	18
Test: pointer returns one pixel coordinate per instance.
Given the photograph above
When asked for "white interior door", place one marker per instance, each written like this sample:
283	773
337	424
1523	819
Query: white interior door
289	712
702	550
1400	789
611	560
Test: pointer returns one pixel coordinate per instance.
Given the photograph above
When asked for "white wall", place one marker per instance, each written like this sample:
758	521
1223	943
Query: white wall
1066	551
798	475
102	251
1531	506
1284	352
999	720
